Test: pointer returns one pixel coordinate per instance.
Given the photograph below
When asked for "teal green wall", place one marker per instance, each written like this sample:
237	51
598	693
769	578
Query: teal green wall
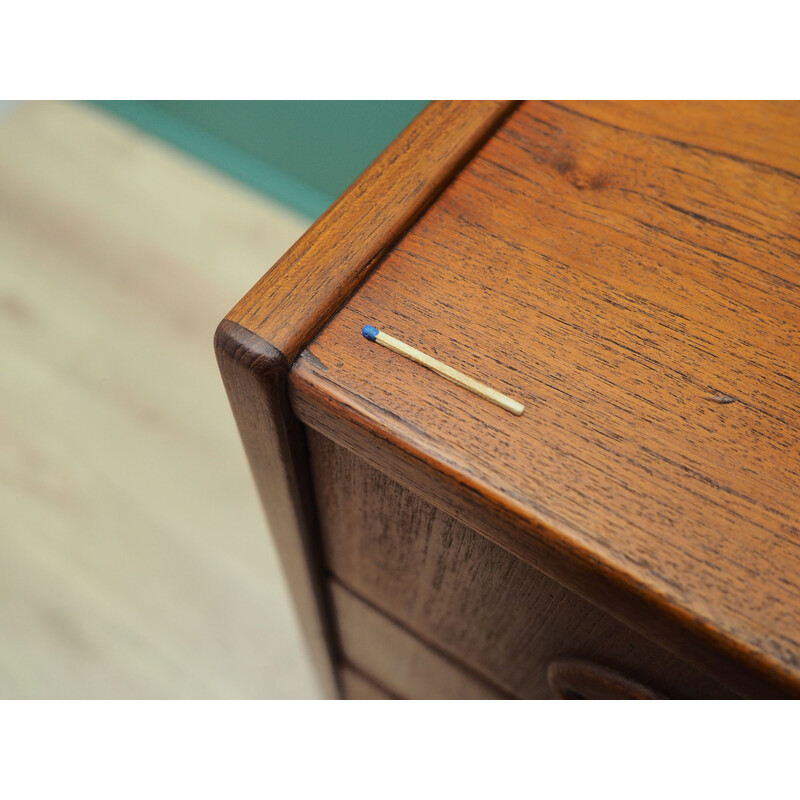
303	153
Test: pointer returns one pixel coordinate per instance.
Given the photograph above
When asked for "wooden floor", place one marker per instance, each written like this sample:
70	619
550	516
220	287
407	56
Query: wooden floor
134	560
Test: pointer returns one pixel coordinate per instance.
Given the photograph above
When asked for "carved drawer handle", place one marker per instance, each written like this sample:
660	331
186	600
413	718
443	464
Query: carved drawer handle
574	679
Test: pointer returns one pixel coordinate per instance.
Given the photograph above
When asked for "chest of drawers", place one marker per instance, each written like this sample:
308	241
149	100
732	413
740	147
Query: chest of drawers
629	272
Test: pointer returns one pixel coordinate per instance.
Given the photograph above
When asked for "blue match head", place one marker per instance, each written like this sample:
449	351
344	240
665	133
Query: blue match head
370	332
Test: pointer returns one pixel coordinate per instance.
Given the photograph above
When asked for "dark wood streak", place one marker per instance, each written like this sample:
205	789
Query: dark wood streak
720	117
613	279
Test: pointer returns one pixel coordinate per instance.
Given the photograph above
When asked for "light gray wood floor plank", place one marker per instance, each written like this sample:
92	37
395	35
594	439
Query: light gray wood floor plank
134	559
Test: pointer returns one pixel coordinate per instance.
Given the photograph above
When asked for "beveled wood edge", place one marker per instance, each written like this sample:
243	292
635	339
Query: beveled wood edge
261	336
332	412
294	300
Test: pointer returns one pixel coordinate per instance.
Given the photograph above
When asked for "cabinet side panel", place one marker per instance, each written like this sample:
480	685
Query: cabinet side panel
254	375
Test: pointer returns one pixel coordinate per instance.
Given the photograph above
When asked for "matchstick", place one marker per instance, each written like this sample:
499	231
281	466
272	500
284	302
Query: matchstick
492	395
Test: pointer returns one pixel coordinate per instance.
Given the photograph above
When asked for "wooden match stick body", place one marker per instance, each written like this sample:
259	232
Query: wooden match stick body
492	395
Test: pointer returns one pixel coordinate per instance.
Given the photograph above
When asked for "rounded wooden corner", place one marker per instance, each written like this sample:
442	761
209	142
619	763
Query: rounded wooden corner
236	344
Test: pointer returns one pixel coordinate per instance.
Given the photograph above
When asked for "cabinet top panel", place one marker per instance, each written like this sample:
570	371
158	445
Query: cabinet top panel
631	273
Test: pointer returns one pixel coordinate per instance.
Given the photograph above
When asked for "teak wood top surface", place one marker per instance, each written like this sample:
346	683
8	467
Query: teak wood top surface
631	273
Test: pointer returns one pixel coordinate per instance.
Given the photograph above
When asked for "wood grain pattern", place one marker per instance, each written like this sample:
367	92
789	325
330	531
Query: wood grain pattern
258	340
639	293
755	131
398	661
468	597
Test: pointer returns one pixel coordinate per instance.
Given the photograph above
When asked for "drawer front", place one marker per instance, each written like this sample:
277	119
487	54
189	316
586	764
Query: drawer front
381	650
473	601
